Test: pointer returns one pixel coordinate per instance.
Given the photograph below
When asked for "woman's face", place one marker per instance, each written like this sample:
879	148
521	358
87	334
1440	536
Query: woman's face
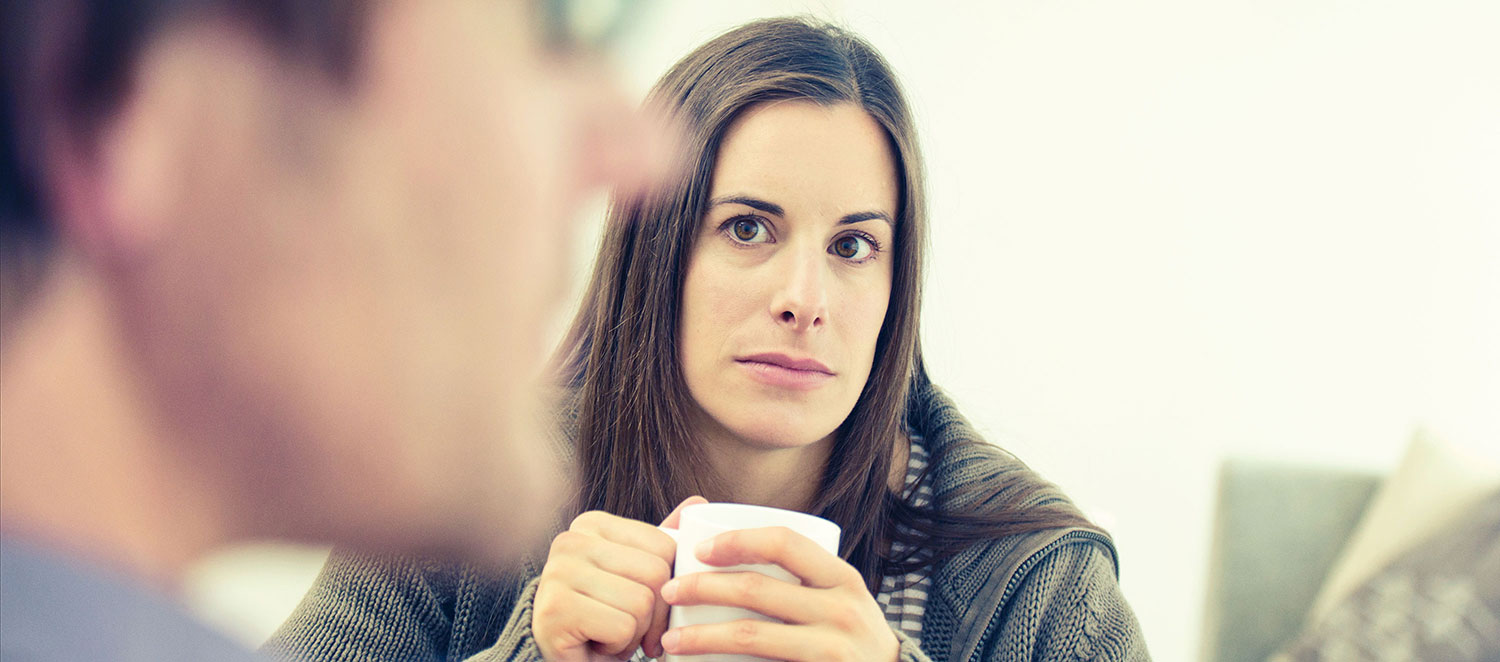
790	272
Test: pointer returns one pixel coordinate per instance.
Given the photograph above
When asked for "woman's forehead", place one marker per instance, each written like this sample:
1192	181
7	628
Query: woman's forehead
802	154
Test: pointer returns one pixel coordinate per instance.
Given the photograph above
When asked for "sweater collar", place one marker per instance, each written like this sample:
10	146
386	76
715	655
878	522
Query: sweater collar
971	584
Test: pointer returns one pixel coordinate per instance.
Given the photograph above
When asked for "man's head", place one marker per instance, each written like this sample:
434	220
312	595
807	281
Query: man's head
330	233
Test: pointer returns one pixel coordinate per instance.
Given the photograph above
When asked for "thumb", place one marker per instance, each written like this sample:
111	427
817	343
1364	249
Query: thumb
671	521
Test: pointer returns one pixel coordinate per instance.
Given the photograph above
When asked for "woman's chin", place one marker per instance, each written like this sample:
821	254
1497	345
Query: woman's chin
781	434
772	424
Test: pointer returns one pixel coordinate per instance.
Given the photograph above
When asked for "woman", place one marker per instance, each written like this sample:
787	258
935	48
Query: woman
750	335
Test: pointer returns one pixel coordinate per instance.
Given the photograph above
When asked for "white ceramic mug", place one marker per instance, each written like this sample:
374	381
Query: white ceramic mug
702	521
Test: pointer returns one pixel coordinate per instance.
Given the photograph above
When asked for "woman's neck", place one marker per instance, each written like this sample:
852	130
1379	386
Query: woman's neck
755	473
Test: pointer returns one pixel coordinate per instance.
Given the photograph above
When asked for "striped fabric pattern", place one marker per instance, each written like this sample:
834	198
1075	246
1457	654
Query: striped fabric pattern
905	600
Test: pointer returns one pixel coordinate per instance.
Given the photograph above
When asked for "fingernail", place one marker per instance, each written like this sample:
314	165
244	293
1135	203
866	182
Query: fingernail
669	641
669	591
704	549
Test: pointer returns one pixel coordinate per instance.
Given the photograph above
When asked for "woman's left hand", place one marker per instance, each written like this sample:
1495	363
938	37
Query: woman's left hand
831	616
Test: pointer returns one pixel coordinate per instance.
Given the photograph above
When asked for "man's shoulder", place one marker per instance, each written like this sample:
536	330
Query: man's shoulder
57	608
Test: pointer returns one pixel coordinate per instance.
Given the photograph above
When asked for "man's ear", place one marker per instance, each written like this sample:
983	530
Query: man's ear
189	117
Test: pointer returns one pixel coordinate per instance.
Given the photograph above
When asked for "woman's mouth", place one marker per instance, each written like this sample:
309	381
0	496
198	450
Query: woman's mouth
783	371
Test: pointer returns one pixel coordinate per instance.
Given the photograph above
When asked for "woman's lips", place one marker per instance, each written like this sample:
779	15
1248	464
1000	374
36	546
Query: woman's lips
784	371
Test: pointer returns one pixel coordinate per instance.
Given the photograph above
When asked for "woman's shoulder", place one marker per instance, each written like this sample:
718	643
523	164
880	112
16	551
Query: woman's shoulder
1059	575
1069	603
966	467
1054	591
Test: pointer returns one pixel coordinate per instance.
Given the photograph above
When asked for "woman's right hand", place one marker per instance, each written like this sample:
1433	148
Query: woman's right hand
600	591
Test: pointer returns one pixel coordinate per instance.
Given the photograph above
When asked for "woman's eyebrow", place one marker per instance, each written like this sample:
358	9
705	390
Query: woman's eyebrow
777	210
756	203
860	216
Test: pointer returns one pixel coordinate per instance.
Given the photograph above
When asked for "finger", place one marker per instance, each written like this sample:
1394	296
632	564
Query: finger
592	621
651	642
625	596
628	532
600	656
779	545
776	641
671	522
659	620
750	590
629	562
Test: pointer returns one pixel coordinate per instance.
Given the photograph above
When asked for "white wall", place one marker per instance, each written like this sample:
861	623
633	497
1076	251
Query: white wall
1171	232
1168	232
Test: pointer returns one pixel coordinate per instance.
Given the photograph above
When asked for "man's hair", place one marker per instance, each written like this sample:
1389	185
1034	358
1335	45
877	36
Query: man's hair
71	60
20	213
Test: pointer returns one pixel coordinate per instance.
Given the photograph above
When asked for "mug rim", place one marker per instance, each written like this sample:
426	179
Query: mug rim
818	525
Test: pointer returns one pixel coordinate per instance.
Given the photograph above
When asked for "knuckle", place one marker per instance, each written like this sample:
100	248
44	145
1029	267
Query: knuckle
642	601
545	613
565	543
835	651
560	576
549	573
579	521
852	578
781	541
751	584
619	630
587	520
845	618
744	633
659	574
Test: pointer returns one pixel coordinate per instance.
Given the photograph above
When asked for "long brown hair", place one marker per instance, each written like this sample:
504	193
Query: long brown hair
638	456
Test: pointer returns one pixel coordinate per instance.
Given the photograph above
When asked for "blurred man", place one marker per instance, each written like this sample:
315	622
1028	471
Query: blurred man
273	269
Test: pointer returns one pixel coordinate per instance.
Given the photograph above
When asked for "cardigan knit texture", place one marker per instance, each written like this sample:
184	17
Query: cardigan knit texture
1046	596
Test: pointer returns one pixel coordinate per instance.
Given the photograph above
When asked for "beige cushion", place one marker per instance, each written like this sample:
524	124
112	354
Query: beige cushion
1435	483
1439	601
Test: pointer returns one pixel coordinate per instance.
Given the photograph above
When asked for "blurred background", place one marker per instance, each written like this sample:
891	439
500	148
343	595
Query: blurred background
1166	234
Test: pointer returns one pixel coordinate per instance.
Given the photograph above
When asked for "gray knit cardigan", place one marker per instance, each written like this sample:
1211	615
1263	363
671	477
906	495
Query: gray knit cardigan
1039	597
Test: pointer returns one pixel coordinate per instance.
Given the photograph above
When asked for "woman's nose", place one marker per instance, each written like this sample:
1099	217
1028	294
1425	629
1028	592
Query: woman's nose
801	301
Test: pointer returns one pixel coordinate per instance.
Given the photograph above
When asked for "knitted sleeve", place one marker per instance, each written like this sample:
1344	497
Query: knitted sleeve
515	642
369	608
1069	608
385	608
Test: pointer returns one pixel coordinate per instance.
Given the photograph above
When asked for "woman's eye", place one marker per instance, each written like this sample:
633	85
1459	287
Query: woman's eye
749	231
852	247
